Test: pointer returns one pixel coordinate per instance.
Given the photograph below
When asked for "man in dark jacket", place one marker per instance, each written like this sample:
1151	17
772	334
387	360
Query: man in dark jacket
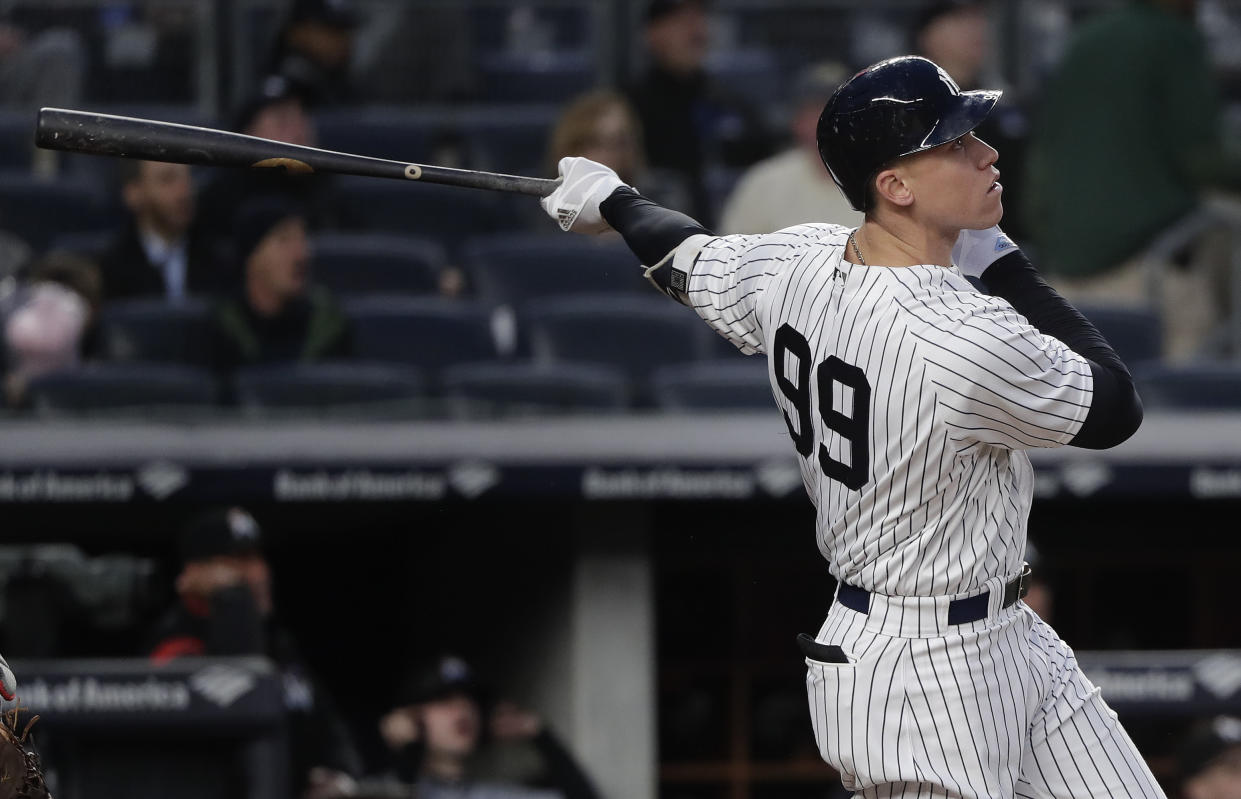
161	252
226	609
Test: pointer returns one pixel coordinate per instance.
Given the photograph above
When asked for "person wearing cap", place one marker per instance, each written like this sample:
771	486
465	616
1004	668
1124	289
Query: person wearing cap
276	109
689	122
276	314
1209	760
793	187
225	608
441	715
315	47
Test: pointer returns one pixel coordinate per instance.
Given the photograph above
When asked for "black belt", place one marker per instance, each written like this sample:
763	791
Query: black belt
960	611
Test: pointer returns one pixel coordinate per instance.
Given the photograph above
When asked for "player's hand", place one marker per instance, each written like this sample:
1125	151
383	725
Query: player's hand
976	250
584	184
399	728
510	723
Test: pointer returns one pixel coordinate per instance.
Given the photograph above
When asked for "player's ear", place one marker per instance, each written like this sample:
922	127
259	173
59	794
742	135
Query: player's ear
891	185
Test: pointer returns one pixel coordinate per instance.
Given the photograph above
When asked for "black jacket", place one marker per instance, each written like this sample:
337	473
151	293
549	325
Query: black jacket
126	271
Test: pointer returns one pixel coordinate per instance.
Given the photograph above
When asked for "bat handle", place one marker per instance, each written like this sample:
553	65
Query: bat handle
538	187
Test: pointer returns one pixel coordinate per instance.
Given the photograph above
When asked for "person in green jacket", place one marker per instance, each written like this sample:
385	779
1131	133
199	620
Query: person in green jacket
1128	137
276	314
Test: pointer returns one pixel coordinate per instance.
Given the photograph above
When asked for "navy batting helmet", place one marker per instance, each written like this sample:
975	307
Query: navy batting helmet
897	107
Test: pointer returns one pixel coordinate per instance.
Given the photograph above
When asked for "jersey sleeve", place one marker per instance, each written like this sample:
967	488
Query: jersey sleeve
727	276
999	381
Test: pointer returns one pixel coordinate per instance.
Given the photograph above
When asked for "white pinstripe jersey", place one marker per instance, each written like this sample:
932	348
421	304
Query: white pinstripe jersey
910	398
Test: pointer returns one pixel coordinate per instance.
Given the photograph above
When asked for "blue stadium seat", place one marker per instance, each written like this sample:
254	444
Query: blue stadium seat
88	243
446	214
510	139
330	386
37	210
366	263
16	138
104	387
529	389
155	330
1215	386
380	132
545	77
752	73
515	268
740	384
1135	333
427	332
625	331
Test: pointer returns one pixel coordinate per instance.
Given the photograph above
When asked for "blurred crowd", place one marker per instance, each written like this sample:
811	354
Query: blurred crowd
119	276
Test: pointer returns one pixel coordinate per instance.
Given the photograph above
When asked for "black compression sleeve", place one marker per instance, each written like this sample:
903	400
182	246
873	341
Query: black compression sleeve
650	230
1115	409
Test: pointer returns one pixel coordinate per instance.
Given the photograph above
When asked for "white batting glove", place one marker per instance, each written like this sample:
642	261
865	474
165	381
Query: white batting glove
975	250
584	184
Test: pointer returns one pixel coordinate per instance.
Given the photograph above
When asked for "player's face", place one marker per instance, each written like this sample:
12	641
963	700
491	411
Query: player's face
452	725
956	185
282	259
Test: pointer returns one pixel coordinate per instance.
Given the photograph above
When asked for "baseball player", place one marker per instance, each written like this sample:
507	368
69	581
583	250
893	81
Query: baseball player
910	399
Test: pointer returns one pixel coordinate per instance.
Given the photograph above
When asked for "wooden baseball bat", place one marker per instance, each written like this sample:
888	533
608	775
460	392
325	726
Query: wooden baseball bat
153	140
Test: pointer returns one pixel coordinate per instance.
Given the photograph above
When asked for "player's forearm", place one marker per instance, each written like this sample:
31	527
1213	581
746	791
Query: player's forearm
1115	409
649	229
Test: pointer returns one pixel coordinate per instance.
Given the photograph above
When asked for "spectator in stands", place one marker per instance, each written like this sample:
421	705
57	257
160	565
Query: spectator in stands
314	50
160	252
689	123
1128	137
225	608
794	186
437	725
40	68
277	110
276	315
416	53
50	324
956	34
1209	761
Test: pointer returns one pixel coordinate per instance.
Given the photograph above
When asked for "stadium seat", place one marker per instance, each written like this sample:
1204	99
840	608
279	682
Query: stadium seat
506	138
104	387
380	132
529	389
330	386
446	214
513	269
1213	386
1135	333
426	332
543	77
16	138
714	385
625	331
36	210
155	330
753	73
88	243
367	263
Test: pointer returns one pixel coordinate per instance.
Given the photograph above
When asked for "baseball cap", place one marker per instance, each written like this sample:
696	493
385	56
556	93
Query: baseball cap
1206	743
658	9
271	90
256	218
222	531
439	678
339	13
